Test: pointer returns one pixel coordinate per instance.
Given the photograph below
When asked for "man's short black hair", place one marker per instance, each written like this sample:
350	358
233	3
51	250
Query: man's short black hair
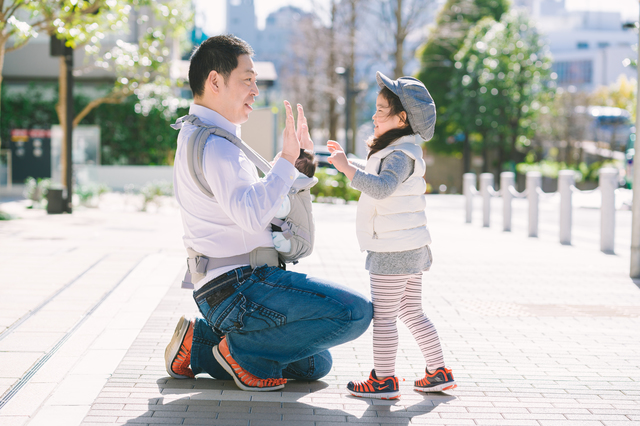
219	53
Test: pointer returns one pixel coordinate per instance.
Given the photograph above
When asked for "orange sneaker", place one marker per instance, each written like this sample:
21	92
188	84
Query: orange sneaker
244	379
440	380
177	356
387	388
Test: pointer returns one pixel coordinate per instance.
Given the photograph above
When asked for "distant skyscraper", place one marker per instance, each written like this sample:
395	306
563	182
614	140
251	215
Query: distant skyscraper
241	21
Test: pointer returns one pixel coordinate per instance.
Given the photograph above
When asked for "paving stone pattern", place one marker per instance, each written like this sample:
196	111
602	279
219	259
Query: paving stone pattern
536	334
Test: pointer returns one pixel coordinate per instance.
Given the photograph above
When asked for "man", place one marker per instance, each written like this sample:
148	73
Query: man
262	325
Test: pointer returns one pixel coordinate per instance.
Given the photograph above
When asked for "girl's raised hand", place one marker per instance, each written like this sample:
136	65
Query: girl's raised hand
334	146
290	142
303	131
339	159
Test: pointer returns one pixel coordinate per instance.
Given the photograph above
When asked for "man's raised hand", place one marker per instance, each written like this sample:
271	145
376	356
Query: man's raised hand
290	141
303	131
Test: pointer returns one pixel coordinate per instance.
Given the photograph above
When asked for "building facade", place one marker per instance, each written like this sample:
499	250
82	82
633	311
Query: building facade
589	48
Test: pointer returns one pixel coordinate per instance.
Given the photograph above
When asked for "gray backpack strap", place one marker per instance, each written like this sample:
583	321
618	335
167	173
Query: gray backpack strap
195	151
198	264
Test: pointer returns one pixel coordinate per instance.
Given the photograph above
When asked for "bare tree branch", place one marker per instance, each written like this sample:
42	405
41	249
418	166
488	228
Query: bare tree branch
113	98
11	10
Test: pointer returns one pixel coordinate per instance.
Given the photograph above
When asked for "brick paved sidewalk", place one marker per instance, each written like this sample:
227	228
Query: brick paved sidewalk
536	334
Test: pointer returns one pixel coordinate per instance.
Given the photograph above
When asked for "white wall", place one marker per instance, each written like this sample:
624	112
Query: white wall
117	177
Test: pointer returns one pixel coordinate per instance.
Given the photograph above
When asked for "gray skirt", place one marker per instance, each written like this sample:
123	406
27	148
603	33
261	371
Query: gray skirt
399	263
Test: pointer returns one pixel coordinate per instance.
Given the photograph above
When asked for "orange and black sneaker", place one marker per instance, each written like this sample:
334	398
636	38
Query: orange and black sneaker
177	356
244	379
386	388
440	380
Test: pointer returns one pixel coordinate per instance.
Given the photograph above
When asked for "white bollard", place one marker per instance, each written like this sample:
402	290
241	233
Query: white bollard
486	181
608	186
566	179
468	185
507	180
534	181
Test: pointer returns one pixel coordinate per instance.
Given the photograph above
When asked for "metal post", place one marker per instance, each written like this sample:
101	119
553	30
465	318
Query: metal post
347	108
68	57
507	180
566	180
486	181
634	270
9	170
534	181
468	184
608	185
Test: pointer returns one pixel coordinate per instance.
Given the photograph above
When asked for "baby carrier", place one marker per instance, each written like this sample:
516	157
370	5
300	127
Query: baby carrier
297	226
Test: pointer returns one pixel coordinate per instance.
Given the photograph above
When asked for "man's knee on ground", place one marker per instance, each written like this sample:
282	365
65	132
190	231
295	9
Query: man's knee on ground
361	311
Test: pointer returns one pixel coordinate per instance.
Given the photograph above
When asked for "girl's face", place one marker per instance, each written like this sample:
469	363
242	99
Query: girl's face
382	120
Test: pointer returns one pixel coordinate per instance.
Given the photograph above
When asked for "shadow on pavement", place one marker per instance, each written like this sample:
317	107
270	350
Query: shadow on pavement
206	404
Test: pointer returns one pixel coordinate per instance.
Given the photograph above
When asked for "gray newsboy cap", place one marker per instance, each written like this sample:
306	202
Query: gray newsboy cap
416	100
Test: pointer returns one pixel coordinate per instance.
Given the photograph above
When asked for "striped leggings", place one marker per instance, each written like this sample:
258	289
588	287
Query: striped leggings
400	296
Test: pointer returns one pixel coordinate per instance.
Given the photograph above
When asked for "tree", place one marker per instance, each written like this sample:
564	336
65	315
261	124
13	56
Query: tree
504	70
400	18
304	79
452	26
84	23
621	94
316	53
563	125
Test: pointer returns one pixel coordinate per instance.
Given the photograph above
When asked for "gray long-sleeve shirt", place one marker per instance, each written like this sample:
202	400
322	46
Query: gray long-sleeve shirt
394	169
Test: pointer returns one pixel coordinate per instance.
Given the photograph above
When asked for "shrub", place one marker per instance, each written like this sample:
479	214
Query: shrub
152	190
86	193
36	190
333	184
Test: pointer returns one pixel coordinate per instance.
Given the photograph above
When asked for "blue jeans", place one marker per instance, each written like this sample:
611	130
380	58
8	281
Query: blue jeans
278	323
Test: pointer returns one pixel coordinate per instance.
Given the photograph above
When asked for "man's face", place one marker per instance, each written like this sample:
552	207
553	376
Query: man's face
237	92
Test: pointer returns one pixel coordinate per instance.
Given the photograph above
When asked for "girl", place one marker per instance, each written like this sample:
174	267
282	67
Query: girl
391	225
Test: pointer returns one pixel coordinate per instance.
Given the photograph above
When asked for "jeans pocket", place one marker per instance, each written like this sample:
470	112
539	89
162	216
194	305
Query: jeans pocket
243	315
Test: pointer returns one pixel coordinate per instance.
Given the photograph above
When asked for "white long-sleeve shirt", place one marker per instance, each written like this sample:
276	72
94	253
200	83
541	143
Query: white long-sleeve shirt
236	221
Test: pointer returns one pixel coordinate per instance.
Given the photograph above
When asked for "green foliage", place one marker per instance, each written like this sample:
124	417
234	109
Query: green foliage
131	138
126	136
88	192
453	23
153	190
36	190
142	67
30	110
550	168
503	74
332	184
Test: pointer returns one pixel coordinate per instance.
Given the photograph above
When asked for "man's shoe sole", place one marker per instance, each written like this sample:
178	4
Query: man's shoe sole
223	362
174	347
438	388
386	395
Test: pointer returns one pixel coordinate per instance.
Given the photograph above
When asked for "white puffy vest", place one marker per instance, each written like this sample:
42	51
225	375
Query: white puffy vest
398	222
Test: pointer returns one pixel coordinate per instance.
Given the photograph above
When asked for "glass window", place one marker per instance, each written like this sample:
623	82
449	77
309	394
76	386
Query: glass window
574	72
